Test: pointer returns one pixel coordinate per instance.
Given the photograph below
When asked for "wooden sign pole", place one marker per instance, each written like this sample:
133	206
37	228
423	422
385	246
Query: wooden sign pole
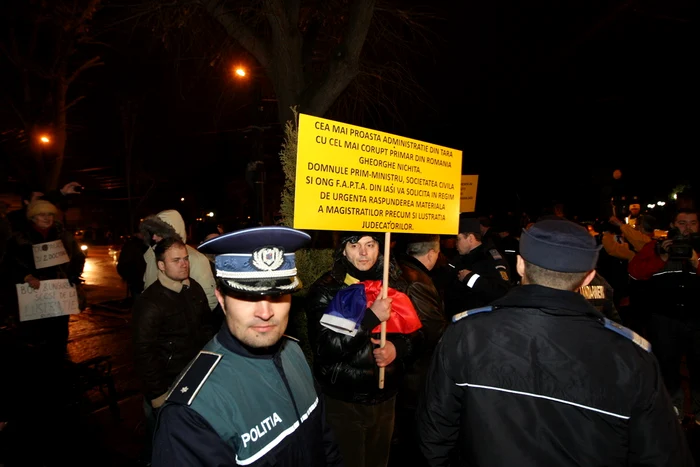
385	293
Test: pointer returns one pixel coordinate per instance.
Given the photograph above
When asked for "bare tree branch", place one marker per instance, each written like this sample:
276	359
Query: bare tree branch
239	31
79	20
18	113
93	62
73	102
361	14
276	14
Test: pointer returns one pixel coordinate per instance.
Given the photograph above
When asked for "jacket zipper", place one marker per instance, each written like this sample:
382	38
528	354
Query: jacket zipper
170	355
278	364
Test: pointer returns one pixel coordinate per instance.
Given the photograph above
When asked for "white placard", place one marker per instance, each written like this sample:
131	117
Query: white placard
54	297
49	254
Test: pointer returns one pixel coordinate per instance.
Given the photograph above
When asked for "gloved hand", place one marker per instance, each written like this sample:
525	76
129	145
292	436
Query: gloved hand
75	280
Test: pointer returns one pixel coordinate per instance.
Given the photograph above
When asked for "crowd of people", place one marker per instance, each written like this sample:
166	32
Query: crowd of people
551	343
501	348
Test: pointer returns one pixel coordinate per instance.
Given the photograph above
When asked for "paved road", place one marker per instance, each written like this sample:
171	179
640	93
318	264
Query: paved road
104	329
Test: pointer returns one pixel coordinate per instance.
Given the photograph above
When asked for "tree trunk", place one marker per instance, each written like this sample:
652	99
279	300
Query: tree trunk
282	56
58	145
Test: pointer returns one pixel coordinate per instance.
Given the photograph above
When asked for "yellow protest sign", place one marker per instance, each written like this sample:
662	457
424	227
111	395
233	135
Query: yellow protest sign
353	178
467	196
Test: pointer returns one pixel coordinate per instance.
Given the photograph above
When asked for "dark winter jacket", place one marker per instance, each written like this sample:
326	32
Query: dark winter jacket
169	329
428	305
344	365
20	255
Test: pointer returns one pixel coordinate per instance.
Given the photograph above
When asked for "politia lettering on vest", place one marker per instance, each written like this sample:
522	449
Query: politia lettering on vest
261	429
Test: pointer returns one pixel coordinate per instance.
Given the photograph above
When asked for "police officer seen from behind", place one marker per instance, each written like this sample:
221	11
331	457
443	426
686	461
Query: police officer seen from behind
248	398
481	275
541	378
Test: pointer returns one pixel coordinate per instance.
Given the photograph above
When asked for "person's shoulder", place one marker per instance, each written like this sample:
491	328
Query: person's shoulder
291	344
494	255
628	334
193	378
472	312
152	291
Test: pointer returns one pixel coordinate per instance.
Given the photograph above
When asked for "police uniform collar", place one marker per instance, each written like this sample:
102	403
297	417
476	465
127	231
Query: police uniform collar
231	343
477	252
554	301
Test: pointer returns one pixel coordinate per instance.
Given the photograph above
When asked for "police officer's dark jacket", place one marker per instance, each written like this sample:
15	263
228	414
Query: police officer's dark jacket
488	280
599	293
540	381
344	365
252	409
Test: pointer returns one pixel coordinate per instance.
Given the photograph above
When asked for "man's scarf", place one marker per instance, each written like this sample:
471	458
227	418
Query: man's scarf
347	309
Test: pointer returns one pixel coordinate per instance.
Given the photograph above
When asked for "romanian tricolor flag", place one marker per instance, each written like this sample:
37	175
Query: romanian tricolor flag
347	309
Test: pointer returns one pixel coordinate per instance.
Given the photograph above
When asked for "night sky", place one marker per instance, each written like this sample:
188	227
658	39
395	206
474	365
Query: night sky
545	99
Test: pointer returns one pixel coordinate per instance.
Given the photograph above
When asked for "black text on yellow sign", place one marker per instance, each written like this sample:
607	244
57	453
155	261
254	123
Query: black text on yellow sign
354	178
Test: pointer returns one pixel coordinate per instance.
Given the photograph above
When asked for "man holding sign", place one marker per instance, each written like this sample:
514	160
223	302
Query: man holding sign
344	314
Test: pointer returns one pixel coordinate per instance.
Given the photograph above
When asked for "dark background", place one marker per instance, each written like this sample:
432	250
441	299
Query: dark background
544	98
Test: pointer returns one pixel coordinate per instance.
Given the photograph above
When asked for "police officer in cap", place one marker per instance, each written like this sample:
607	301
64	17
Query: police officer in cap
249	397
541	378
480	273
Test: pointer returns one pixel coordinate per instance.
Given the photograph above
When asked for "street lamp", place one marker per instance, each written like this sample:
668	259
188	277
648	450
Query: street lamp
44	139
240	71
210	214
182	199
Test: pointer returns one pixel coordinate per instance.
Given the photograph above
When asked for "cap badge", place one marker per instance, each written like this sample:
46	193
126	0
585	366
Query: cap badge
268	258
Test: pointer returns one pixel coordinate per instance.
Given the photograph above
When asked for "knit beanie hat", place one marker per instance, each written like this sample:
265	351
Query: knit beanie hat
40	206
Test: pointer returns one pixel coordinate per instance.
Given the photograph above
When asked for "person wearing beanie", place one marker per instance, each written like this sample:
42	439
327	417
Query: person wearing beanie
40	206
43	231
30	193
540	377
346	364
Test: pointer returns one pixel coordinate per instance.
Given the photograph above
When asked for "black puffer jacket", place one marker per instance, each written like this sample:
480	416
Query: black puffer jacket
344	365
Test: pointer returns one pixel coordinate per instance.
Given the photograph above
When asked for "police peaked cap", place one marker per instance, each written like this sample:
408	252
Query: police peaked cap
257	261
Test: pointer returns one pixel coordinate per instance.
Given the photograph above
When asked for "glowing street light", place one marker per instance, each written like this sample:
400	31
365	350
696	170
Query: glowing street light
240	72
44	139
210	214
182	199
